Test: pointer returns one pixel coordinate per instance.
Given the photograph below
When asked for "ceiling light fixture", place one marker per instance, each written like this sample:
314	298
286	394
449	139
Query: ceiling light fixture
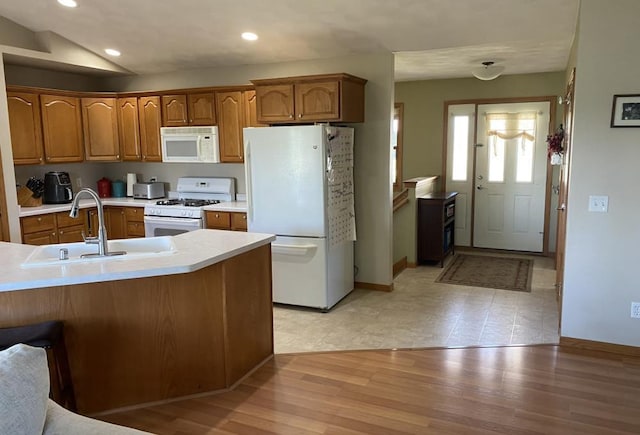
112	52
249	36
68	3
488	71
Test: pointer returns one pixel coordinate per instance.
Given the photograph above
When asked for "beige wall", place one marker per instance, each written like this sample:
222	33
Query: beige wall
423	127
601	264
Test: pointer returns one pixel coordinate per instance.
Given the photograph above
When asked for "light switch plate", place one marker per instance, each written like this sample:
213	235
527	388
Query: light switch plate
598	203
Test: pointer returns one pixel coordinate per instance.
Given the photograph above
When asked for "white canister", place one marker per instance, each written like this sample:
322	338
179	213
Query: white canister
131	180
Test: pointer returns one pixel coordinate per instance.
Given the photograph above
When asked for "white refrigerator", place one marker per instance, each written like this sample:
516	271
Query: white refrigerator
300	188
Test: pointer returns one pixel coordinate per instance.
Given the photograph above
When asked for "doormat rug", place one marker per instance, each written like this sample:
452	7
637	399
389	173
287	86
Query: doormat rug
491	272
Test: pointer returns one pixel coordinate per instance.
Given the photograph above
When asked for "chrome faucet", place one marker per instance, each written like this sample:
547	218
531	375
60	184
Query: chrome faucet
101	238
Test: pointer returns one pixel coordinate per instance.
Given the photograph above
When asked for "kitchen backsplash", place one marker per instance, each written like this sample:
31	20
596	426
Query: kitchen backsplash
89	173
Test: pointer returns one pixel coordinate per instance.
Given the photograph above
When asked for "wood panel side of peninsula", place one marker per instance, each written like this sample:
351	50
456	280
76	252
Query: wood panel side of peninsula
144	340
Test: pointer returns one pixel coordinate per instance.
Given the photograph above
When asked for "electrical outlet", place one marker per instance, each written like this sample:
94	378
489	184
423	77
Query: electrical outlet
599	203
79	182
635	310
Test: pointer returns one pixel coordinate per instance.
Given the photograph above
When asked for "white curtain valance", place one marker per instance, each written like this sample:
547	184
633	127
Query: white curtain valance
512	127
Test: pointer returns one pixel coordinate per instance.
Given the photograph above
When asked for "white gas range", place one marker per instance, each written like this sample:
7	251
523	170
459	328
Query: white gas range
183	211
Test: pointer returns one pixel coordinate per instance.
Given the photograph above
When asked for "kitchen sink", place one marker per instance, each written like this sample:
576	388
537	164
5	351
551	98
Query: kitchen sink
47	255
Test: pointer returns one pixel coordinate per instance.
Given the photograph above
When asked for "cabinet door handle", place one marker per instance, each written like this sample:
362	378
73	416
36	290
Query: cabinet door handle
479	187
290	116
300	115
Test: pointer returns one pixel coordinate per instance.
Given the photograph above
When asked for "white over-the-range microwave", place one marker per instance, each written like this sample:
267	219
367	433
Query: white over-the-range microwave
190	144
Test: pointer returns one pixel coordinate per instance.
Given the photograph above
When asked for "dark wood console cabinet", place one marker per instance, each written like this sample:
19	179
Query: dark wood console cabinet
436	226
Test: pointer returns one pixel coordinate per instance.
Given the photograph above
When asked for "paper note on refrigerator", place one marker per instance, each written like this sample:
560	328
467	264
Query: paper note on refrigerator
341	204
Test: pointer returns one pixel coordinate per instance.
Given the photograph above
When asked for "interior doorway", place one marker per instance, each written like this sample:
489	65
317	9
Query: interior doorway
495	158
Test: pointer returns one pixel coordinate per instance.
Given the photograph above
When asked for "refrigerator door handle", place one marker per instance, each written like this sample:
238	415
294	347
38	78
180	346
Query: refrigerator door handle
249	188
300	250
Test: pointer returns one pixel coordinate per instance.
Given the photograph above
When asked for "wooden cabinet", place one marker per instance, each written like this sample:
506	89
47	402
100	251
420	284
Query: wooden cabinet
238	221
330	97
115	222
236	110
150	119
436	226
26	128
124	222
100	128
250	110
134	217
317	101
274	103
188	109
39	230
201	109
129	128
61	128
230	108
71	229
223	220
218	220
174	110
52	228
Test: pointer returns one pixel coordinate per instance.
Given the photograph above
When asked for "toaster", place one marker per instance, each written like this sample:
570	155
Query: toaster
148	190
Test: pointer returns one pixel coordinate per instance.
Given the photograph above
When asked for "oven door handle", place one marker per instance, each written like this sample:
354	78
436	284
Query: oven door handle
160	219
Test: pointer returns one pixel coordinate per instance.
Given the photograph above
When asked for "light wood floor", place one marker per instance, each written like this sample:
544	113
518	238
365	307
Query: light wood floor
508	390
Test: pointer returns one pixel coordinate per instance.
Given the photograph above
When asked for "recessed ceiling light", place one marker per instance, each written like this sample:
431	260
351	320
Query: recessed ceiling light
68	3
249	36
112	52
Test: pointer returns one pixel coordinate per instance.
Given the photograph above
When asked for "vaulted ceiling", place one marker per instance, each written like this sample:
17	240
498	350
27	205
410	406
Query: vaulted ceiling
430	38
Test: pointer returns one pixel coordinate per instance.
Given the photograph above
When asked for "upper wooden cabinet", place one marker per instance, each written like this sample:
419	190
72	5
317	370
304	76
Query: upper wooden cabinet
26	128
61	128
100	127
129	128
174	110
150	122
250	110
201	109
329	97
230	107
188	109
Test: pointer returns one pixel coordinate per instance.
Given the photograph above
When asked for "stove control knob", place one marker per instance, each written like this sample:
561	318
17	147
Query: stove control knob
184	213
190	213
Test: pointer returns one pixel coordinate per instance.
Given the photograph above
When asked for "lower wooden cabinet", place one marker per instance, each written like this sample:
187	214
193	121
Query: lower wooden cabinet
238	221
124	222
224	220
47	229
52	228
134	217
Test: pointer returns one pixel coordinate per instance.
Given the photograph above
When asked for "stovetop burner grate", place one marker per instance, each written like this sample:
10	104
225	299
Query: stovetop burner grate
188	202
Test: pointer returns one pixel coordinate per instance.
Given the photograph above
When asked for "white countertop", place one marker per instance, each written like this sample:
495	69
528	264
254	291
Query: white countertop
194	250
84	203
232	206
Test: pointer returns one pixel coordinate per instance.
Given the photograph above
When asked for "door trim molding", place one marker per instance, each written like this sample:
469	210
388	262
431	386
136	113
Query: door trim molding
552	100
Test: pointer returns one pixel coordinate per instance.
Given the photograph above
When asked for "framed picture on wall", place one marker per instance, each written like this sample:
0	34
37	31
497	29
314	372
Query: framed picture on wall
625	111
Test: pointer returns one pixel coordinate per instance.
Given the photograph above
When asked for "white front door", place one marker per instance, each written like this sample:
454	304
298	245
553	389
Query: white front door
510	176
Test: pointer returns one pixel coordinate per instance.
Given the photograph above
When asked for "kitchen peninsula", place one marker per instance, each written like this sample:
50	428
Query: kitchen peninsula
154	328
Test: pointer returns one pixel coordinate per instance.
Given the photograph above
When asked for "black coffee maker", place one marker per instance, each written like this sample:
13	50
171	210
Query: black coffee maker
57	188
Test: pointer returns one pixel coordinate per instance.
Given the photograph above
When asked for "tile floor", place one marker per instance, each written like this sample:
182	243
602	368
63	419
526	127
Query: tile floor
423	313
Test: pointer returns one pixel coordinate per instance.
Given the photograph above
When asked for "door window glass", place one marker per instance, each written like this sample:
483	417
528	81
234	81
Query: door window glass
460	148
512	136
